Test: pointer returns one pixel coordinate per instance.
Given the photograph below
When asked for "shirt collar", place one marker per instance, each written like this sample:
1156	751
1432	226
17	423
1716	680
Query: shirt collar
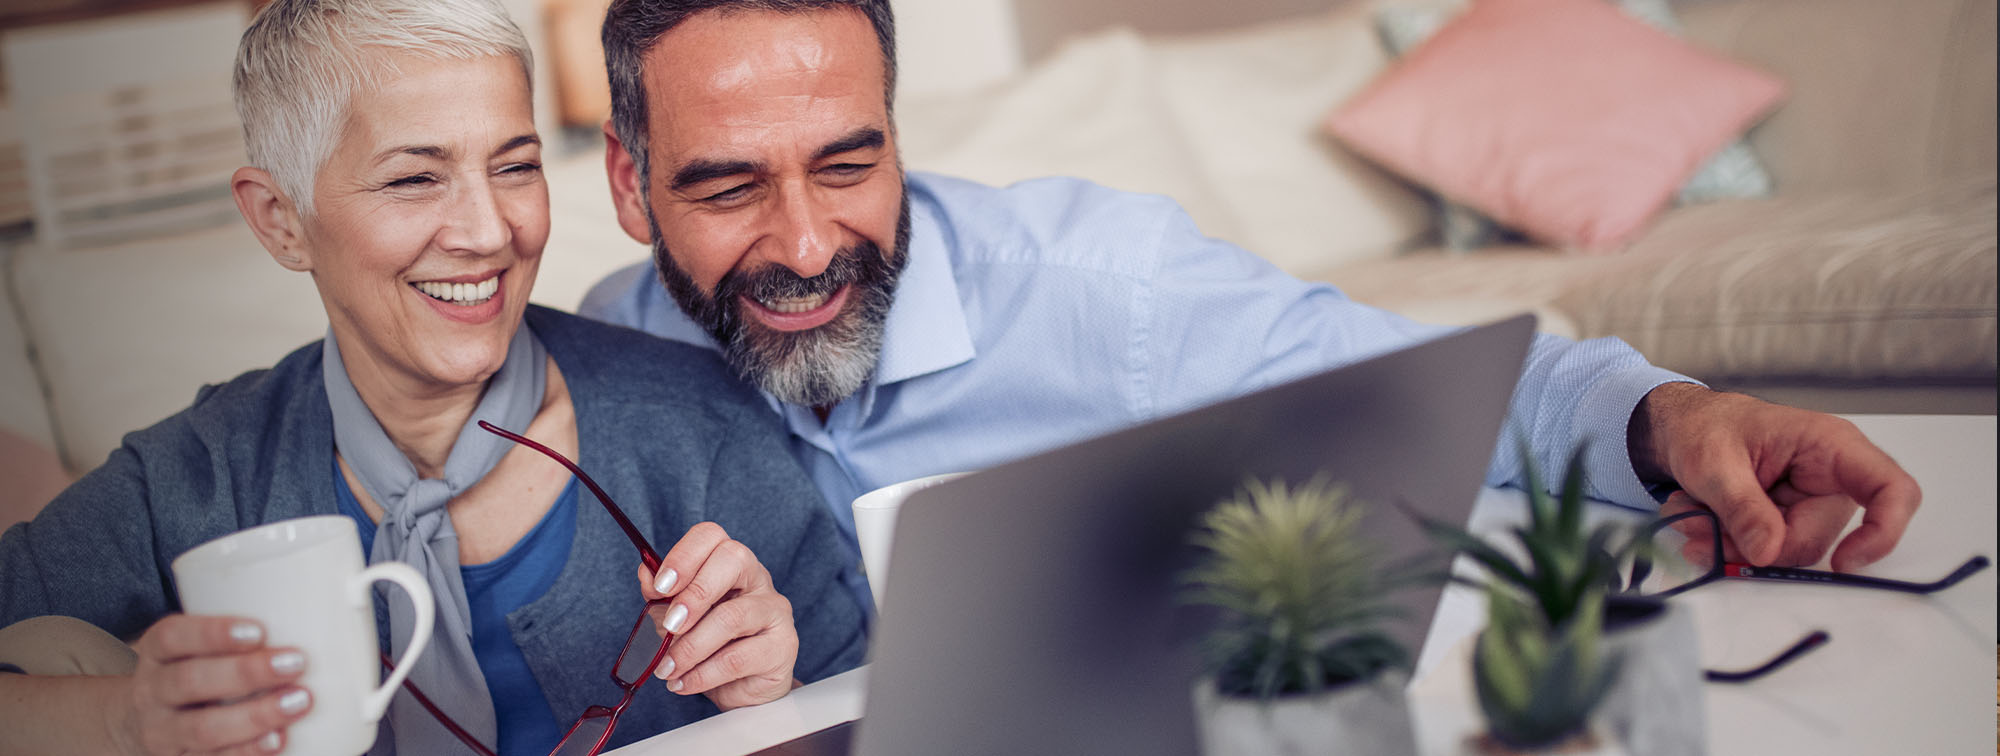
925	331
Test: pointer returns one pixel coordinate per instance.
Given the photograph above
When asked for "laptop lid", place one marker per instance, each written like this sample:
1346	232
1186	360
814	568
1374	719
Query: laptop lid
1035	603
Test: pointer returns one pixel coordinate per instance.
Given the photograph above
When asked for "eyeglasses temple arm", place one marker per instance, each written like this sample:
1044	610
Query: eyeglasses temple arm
1796	574
463	736
646	553
1815	640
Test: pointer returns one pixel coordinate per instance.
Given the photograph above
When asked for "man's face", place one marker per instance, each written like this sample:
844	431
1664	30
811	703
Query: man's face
775	203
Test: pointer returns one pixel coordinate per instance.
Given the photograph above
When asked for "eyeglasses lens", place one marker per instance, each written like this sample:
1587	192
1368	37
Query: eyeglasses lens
1670	560
583	740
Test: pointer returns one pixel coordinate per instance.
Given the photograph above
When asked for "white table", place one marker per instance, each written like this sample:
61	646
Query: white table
1903	674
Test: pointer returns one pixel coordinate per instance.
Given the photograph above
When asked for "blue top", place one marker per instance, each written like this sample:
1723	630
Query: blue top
493	590
668	431
1055	310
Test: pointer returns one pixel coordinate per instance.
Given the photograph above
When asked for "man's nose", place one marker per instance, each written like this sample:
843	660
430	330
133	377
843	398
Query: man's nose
806	235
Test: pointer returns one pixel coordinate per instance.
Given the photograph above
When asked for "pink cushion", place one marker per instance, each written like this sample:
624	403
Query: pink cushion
1566	119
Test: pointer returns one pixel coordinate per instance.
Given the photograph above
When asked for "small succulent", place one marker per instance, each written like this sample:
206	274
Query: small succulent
1538	667
1538	683
1300	594
1564	564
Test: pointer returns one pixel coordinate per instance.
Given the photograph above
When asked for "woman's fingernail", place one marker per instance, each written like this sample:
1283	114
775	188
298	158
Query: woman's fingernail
271	741
666	668
676	617
675	685
665	582
295	701
288	663
246	632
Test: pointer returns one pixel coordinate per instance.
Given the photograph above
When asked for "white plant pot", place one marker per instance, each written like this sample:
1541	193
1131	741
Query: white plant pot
1369	717
1602	744
1656	707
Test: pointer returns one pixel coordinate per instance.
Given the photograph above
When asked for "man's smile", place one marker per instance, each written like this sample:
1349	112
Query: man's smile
796	313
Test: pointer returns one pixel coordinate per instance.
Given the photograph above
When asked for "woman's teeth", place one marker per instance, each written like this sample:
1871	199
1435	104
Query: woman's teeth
792	306
460	293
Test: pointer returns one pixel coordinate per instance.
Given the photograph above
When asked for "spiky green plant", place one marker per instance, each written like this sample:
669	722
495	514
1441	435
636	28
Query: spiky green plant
1300	594
1563	563
1538	667
1538	683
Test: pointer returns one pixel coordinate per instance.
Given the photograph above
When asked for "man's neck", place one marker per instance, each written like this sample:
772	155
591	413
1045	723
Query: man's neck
821	411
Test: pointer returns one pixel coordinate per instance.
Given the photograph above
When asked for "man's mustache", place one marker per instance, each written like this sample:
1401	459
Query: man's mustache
774	281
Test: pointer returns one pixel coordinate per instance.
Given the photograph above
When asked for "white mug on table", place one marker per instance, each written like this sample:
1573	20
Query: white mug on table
875	525
304	580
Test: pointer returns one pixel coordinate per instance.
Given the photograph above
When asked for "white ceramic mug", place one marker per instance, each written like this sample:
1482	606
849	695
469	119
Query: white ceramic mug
875	525
304	580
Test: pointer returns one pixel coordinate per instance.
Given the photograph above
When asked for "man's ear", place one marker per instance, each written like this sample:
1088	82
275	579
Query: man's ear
625	188
272	217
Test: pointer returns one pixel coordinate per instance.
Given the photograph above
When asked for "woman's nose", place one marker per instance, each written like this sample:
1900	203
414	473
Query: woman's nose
477	224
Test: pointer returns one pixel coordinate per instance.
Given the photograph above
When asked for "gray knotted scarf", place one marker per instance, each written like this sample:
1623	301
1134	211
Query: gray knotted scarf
416	530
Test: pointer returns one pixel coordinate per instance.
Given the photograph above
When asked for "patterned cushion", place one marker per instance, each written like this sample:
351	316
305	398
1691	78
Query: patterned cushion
1732	173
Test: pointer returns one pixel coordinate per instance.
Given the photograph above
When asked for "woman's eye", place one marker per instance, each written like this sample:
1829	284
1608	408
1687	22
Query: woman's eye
411	181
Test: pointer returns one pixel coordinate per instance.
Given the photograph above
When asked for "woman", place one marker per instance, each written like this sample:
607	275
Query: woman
395	160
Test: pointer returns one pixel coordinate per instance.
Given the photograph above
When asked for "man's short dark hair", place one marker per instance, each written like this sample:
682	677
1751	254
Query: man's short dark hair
632	27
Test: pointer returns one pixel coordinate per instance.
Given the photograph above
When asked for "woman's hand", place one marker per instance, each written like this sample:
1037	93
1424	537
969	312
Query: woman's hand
736	643
207	685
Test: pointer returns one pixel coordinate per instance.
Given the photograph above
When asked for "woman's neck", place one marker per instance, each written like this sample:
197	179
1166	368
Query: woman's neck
422	419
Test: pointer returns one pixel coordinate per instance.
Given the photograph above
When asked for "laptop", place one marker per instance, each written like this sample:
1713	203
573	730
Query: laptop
1036	602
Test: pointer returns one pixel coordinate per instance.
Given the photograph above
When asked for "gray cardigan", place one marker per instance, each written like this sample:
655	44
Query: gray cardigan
672	436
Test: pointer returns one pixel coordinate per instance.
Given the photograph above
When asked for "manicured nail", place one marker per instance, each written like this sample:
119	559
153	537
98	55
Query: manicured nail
676	617
675	685
665	669
246	632
665	581
294	702
288	663
271	741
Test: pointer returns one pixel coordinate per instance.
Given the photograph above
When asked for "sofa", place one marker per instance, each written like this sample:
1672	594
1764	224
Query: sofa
1869	273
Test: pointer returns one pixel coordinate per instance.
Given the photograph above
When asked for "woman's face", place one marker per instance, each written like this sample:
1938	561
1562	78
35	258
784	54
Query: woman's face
430	218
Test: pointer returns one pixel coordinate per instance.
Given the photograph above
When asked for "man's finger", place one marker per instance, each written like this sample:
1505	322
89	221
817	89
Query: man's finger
1888	497
1812	525
1730	488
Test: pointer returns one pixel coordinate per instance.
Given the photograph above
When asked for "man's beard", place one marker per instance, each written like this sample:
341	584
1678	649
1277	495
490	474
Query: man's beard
816	367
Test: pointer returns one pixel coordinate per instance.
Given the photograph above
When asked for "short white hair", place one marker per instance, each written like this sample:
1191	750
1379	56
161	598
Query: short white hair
301	61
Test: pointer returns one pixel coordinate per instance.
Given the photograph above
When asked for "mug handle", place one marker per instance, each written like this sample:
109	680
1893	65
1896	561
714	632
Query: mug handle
419	592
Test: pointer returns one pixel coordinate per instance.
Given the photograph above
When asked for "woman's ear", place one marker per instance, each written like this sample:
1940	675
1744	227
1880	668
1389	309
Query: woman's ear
272	217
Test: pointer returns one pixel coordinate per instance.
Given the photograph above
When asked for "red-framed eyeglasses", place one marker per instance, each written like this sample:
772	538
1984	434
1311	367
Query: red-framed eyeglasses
636	659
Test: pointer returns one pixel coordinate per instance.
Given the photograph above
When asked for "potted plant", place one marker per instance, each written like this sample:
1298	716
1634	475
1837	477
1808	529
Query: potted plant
1295	661
1566	642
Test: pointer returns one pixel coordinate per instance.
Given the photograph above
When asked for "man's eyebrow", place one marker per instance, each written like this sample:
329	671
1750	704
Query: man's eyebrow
517	142
709	170
866	137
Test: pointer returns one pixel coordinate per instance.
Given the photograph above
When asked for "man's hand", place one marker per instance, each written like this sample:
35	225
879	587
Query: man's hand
1783	481
736	642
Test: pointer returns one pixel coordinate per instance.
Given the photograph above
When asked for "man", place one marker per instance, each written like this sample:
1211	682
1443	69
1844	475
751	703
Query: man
905	325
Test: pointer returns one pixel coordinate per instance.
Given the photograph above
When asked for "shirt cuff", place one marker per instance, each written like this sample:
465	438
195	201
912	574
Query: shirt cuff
1603	417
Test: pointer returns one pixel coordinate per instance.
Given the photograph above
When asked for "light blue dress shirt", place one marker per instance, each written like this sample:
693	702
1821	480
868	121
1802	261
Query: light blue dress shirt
1055	310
